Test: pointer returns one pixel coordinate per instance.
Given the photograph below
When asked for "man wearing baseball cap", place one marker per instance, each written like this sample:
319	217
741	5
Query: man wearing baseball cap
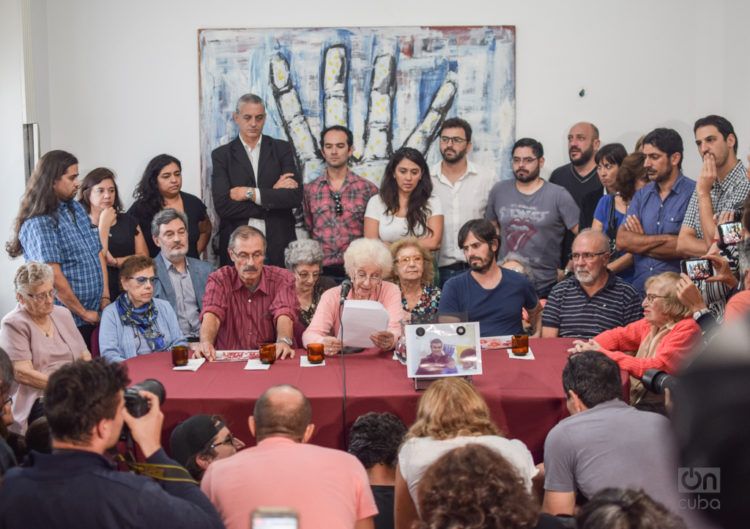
200	440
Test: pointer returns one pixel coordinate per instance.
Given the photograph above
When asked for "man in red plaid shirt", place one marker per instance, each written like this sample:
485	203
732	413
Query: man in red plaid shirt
335	202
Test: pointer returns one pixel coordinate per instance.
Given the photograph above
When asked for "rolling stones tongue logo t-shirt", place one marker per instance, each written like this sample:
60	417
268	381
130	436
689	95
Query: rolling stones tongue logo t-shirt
533	225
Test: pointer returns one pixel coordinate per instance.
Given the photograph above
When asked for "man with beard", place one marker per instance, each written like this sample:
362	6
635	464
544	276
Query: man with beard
593	300
182	279
721	188
656	212
488	294
255	181
335	202
533	215
463	189
579	177
249	303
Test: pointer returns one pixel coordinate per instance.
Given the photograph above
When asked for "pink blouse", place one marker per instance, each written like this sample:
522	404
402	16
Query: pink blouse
23	340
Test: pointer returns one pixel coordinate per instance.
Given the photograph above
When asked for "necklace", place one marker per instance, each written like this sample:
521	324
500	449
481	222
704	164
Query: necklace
48	328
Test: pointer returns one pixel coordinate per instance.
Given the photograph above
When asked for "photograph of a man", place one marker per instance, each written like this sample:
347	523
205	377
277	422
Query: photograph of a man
439	361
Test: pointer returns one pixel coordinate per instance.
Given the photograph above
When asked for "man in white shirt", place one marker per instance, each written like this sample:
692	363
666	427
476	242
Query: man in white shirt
463	189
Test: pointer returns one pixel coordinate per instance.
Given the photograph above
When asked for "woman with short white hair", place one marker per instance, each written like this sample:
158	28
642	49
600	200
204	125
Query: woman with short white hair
367	263
38	336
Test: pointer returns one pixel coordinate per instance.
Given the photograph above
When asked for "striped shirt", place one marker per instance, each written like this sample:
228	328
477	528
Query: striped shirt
576	315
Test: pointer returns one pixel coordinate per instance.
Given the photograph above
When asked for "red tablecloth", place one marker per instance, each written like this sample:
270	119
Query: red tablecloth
525	396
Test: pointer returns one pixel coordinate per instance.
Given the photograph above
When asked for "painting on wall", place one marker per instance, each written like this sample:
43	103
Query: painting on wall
392	86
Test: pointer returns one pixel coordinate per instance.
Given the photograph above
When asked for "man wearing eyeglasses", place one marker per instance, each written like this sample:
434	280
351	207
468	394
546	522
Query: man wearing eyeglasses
593	300
462	187
532	215
200	440
335	202
249	303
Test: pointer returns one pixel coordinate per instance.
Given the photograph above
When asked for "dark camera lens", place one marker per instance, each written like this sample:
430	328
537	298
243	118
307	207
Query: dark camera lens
137	405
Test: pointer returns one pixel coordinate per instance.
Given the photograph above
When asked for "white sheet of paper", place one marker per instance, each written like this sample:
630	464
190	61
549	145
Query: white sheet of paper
361	318
192	365
527	356
304	362
254	364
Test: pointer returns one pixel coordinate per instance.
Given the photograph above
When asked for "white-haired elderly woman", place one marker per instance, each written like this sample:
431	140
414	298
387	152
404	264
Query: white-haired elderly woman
38	336
367	262
304	258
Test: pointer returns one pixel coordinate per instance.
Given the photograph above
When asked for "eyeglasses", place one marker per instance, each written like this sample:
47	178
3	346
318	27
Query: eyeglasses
305	276
362	277
339	207
229	440
43	296
651	297
7	401
142	280
243	257
527	160
416	259
455	140
586	256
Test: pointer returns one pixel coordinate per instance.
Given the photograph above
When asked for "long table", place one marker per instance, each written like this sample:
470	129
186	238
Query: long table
525	396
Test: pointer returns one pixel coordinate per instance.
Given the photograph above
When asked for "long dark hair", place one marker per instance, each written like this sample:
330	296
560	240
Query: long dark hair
416	211
96	177
40	198
147	190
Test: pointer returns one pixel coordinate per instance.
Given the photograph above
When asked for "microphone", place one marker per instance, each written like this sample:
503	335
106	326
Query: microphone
346	286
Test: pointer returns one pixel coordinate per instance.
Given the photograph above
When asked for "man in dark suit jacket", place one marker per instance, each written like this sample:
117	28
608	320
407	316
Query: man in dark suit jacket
255	180
182	279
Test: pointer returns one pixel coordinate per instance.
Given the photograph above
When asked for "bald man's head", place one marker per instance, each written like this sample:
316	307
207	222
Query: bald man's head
282	410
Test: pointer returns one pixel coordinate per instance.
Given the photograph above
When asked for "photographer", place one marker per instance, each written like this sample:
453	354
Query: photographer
77	486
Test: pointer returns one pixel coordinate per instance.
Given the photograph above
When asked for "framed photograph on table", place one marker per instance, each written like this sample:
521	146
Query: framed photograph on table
443	350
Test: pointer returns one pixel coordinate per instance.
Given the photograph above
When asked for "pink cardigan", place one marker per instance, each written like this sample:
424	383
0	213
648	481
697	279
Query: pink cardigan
326	321
670	352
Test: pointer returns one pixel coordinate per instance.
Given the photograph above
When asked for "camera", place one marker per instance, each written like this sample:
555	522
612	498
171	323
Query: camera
657	381
137	405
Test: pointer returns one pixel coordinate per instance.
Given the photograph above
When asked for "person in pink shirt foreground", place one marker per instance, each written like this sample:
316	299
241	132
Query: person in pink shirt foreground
325	487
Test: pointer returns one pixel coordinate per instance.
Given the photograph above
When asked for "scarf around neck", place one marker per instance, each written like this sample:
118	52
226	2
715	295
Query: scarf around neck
143	319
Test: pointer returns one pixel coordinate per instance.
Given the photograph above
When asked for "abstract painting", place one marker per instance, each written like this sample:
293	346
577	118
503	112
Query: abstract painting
392	86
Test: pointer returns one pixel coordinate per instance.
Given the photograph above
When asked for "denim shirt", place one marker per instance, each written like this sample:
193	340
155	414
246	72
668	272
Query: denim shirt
659	218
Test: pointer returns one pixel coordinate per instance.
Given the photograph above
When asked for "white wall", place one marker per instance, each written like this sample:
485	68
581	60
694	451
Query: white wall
119	80
11	145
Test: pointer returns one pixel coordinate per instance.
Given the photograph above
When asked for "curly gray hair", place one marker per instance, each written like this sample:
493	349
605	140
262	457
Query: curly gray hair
303	251
363	252
31	274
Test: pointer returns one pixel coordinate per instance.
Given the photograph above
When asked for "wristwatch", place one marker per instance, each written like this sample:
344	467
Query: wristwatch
286	340
250	194
698	313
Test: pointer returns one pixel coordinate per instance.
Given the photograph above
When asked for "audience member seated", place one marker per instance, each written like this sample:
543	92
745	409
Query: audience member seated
197	442
605	442
660	340
366	262
77	486
655	214
594	299
405	205
159	188
612	207
248	303
327	488
39	338
486	293
626	509
414	272
7	458
136	323
119	232
374	439
304	258
475	487
451	413
182	279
